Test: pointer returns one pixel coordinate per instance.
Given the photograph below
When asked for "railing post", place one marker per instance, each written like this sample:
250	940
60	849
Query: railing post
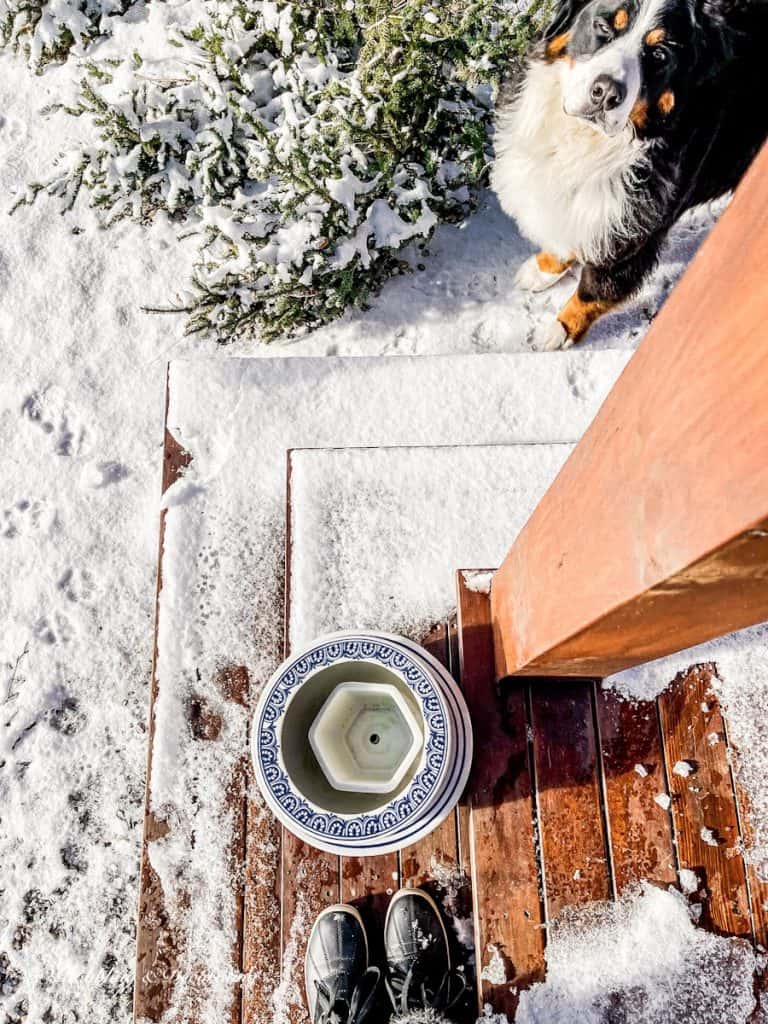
654	536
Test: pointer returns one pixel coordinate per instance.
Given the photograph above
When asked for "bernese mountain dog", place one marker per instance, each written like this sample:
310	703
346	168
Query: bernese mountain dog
626	114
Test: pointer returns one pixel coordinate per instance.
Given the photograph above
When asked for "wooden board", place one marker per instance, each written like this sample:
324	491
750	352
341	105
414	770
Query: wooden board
501	809
576	864
262	923
703	802
635	552
640	836
634	775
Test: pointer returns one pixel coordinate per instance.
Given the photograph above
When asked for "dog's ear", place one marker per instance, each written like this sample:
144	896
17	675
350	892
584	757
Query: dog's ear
563	18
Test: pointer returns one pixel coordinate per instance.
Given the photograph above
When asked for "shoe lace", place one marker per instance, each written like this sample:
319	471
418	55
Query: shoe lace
334	1009
406	994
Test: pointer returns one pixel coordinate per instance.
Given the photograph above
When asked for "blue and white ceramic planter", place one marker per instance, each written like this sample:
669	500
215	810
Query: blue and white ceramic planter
292	783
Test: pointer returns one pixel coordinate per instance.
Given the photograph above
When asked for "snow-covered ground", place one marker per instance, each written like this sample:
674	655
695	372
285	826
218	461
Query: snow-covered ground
81	405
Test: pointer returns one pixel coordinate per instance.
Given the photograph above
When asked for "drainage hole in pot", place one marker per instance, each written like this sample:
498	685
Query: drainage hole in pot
375	739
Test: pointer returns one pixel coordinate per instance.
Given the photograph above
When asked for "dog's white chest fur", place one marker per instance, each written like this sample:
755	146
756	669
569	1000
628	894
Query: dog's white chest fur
566	184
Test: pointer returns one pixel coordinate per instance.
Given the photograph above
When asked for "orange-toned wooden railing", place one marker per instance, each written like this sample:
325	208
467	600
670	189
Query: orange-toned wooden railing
654	537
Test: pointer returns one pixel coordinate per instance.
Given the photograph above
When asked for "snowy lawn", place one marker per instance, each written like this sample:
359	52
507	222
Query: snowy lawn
81	407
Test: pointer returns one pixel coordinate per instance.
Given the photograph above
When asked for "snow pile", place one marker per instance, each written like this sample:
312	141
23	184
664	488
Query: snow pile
641	960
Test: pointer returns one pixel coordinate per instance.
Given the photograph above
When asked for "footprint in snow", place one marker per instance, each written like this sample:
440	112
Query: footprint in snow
25	517
47	412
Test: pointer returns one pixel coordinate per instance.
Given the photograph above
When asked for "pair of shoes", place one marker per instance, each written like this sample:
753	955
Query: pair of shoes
342	987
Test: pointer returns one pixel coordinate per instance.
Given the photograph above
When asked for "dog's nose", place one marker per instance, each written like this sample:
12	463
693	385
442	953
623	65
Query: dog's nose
606	93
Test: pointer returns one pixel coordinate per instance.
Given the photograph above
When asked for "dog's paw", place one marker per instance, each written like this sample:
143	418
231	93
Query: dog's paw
551	336
531	278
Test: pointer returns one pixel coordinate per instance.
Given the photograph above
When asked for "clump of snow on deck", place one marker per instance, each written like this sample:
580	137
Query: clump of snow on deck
477	582
641	960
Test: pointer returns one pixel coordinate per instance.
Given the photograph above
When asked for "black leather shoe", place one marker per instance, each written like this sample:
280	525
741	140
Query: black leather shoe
340	986
419	973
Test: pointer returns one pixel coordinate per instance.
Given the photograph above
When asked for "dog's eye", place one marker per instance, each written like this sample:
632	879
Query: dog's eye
660	54
602	28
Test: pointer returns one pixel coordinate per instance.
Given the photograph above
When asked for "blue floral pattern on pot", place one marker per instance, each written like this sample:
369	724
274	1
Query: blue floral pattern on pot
386	818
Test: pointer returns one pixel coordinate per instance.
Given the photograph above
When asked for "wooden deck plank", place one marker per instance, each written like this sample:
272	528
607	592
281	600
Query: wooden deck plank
640	830
369	883
573	839
703	803
310	883
509	915
157	936
758	888
463	902
262	938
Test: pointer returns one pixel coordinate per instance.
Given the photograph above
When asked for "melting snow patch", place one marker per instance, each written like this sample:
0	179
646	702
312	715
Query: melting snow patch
494	971
708	836
689	881
640	960
478	582
489	1017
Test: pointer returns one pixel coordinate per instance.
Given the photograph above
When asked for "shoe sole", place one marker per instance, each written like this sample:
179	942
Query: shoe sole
336	908
401	894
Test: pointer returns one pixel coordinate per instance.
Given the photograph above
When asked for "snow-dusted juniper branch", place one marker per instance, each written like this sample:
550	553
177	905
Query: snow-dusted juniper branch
48	31
306	143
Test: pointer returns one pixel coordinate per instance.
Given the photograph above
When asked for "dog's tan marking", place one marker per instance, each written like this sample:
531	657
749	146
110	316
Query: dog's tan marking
620	19
549	264
667	102
638	115
655	36
556	47
578	315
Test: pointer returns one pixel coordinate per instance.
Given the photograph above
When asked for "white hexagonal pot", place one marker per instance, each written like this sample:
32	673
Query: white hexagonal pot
365	738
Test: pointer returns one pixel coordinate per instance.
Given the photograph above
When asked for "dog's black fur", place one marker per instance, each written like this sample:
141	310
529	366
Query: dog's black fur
714	62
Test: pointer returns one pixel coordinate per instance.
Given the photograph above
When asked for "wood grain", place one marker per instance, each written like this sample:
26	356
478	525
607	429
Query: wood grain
311	882
703	803
573	840
262	936
654	536
640	830
509	915
463	903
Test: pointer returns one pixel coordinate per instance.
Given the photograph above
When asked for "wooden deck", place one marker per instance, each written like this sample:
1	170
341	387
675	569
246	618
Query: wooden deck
561	810
563	804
